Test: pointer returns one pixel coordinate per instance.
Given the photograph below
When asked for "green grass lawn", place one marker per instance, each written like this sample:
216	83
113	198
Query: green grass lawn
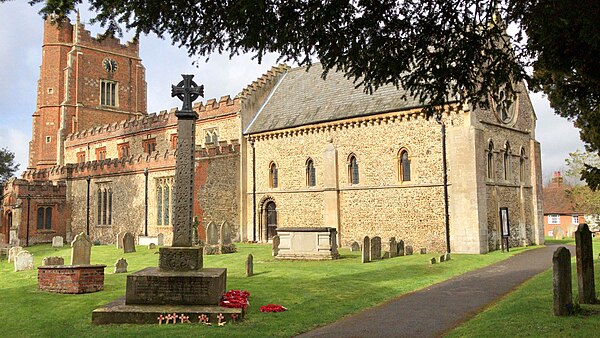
315	293
528	312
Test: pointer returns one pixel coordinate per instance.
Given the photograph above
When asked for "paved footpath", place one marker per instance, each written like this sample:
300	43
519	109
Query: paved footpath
435	310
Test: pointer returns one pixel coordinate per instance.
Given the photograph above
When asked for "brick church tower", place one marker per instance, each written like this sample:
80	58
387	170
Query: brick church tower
83	82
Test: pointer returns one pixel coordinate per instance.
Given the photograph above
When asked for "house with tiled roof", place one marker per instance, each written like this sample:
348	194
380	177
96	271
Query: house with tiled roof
559	208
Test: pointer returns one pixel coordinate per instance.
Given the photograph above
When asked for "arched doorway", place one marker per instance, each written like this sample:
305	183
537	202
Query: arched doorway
270	217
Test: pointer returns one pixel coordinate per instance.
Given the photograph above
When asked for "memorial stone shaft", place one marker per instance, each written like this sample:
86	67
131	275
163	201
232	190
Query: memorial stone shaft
187	91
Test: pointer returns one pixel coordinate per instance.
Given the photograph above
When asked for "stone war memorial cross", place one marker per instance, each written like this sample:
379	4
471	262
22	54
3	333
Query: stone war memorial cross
180	280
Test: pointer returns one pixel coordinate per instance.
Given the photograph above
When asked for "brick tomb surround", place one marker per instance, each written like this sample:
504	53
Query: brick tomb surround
71	278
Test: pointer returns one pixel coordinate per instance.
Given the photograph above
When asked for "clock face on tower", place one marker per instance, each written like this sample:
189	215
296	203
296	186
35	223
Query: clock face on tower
109	65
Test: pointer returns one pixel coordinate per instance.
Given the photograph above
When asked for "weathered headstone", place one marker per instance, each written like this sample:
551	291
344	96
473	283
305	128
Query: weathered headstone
376	248
409	250
14	238
57	242
121	265
571	230
53	260
160	238
432	260
13	252
128	243
212	234
250	265
120	235
400	248
81	250
393	247
558	232
354	246
561	282
585	265
225	233
442	258
24	261
151	246
275	241
366	250
423	251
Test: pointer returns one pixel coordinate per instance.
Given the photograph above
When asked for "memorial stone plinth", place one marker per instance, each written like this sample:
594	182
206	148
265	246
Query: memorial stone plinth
155	286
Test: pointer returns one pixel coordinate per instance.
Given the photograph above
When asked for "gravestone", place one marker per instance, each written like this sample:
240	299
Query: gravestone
160	238
212	234
354	246
393	247
120	235
423	251
400	248
13	252
432	260
275	242
558	232
409	250
121	265
53	260
14	238
442	258
23	261
571	230
376	248
366	250
250	266
128	243
81	250
225	242
57	242
561	282
151	246
225	233
585	265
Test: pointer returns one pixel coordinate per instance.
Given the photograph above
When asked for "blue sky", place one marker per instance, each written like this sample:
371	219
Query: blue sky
20	59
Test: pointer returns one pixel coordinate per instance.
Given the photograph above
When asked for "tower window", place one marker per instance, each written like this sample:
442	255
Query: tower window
490	161
108	93
48	139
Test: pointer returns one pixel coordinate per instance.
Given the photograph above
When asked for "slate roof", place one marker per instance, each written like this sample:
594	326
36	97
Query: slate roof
303	98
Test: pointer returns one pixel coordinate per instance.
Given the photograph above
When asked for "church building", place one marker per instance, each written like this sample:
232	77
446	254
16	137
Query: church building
290	150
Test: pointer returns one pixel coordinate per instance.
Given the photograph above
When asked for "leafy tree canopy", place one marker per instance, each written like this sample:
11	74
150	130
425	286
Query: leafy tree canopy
7	165
439	50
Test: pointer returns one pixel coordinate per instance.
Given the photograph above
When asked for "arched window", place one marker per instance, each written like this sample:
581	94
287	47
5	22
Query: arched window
507	161
522	165
404	166
311	179
490	161
105	204
352	169
164	200
44	218
273	178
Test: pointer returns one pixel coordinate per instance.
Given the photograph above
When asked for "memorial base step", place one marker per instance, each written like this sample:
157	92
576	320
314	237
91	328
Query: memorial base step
118	312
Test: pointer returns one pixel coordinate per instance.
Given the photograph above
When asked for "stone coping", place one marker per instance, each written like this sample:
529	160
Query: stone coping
80	266
306	229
